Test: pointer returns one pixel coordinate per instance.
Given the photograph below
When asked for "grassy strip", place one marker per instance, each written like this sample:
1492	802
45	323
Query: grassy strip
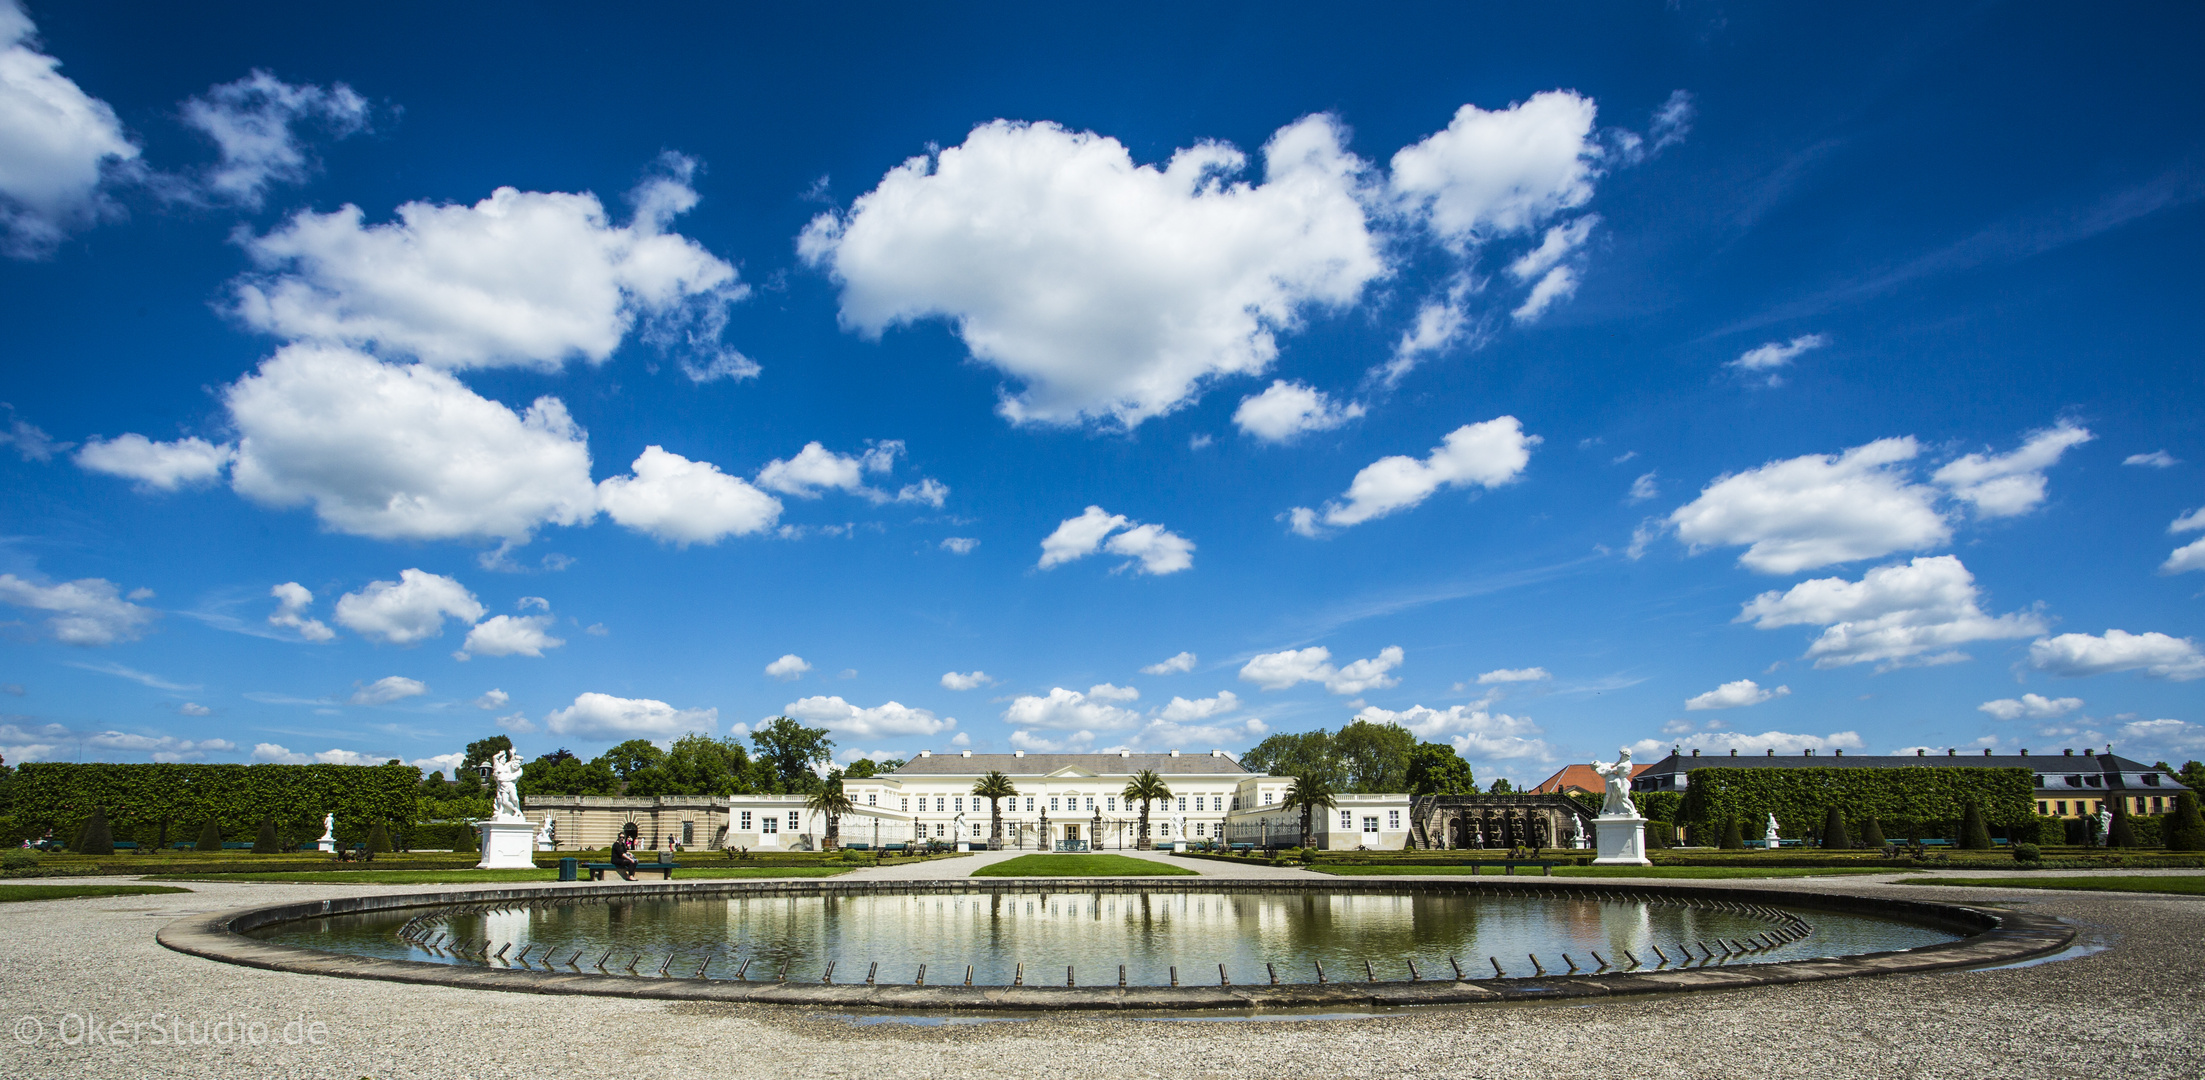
1599	871
10	894
473	877
1080	866
2181	886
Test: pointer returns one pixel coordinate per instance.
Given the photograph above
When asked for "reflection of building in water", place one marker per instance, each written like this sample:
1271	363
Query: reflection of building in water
503	926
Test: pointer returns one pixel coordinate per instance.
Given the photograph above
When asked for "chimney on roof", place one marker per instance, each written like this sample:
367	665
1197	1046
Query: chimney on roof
1018	753
1175	753
926	753
1986	751
1772	751
2024	751
2089	752
1125	753
1810	751
1952	751
1695	751
968	753
1921	753
1217	753
1839	752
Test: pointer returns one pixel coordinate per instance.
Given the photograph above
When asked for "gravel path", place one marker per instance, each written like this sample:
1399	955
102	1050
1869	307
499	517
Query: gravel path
2129	1011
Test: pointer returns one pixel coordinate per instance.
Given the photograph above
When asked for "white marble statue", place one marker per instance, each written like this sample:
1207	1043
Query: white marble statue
329	826
1618	775
1768	839
505	772
1179	826
2105	825
546	838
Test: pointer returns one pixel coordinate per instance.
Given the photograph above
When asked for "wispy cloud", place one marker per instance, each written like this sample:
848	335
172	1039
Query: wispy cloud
109	667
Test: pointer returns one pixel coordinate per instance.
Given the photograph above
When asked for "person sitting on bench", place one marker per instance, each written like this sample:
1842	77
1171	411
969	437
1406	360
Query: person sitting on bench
623	852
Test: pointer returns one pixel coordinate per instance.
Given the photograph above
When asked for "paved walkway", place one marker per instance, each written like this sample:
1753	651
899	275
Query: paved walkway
963	865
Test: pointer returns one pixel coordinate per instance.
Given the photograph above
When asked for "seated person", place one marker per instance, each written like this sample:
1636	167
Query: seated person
623	853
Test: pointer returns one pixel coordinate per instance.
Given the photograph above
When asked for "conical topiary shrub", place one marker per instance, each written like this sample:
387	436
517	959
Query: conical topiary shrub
465	841
1871	835
1833	830
1658	834
1974	834
266	843
2122	833
210	836
96	838
2186	828
378	840
1733	837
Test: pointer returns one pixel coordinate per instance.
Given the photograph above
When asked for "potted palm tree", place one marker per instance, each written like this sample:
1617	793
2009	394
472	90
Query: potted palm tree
1310	793
994	787
1145	787
830	802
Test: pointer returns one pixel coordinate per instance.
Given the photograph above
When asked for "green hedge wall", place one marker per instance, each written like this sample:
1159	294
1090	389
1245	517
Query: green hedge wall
58	795
1801	797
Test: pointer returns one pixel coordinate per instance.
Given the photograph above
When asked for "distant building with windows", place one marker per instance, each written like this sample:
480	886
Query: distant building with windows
1065	802
2067	786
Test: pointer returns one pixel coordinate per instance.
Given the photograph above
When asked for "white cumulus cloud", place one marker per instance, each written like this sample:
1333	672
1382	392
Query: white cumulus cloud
1487	454
1473	730
2156	459
878	722
1070	710
2190	556
510	635
255	123
387	689
1153	549
2153	653
1493	173
56	143
492	700
292	600
1288	409
685	502
1188	711
1777	354
1746	743
409	610
1179	664
1816	510
789	666
1906	613
1280	670
161	466
1557	285
960	545
595	715
2032	706
1514	675
524	279
1733	695
2003	485
1107	290
953	680
403	452
87	611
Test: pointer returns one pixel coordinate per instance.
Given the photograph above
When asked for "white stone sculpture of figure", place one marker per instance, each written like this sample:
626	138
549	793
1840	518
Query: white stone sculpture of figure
2105	825
957	832
1769	838
329	826
1618	775
545	841
505	771
1179	826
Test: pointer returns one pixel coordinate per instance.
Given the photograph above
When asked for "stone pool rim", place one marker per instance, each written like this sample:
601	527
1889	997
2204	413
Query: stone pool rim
1993	936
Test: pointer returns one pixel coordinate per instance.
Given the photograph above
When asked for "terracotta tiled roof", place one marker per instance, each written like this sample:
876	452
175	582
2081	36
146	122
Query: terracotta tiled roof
1578	778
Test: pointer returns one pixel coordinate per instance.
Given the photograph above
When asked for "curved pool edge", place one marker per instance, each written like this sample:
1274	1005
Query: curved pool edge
1994	937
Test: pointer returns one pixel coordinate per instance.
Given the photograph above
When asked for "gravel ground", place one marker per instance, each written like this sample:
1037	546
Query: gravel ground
2129	1011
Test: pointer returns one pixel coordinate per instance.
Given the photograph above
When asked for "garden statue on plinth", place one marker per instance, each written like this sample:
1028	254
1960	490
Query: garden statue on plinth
1620	831
508	840
328	842
1769	839
547	838
1179	832
959	841
2105	826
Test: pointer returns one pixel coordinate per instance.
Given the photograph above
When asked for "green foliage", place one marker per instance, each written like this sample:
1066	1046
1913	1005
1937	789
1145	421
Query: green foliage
1309	795
1800	798
96	839
1871	836
482	750
1659	835
2120	833
867	768
210	836
570	777
2192	775
2185	830
791	750
235	797
831	802
1307	753
18	859
1502	787
1834	834
1655	805
1145	787
995	787
1375	757
2027	853
266	843
465	841
1435	769
631	757
1974	835
378	840
1733	836
697	765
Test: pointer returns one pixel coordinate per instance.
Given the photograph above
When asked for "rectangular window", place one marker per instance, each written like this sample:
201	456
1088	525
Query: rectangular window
872	800
1053	803
689	830
1347	819
2157	806
1370	823
1393	819
2099	808
1029	804
1182	802
940	804
904	803
744	826
2062	805
1201	829
2140	804
961	804
795	823
1110	802
1266	798
772	824
1090	802
2040	808
941	831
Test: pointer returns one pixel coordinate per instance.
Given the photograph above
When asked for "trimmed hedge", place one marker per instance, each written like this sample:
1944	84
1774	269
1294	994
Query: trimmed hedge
96	839
1800	798
1974	834
2186	829
60	795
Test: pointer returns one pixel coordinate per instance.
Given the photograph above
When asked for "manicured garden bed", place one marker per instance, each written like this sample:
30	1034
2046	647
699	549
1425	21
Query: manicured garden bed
10	894
471	876
1080	866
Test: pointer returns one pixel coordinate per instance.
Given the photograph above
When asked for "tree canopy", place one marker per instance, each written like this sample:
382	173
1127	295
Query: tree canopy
1435	769
1361	758
793	751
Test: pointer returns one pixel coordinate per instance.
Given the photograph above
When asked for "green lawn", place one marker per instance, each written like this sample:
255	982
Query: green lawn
1604	871
1079	866
2192	885
471	877
11	893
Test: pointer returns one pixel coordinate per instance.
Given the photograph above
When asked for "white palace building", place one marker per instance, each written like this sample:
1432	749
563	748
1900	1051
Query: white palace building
1065	802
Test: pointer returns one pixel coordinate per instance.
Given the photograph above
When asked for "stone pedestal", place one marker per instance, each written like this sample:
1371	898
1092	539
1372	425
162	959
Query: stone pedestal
1179	847
1622	841
326	843
506	844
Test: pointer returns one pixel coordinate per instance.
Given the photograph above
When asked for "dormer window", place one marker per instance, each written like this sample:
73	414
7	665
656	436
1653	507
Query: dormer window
2151	779
2075	780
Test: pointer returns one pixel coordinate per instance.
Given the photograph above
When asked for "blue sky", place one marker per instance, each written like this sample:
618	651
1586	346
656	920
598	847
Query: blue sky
1544	381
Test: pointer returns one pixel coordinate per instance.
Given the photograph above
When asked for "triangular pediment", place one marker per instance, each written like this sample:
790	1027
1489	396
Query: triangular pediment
1074	770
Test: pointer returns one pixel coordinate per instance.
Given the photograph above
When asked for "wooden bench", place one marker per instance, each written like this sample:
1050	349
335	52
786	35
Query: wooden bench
1546	865
665	870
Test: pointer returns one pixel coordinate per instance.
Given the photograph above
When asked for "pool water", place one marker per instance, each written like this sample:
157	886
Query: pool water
1005	937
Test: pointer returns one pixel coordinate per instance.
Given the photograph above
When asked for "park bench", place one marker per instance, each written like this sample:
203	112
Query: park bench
893	849
1546	865
858	847
665	870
